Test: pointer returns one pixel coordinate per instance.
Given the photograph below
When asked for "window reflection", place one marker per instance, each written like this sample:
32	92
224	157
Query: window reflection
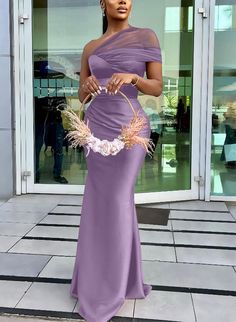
223	161
170	169
58	40
223	17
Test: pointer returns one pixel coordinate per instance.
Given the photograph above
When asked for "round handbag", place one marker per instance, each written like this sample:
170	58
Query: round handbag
80	133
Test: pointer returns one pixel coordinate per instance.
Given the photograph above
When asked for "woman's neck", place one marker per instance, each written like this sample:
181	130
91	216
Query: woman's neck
116	27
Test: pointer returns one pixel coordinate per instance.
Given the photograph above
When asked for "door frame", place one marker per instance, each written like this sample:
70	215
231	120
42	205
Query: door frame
209	88
25	127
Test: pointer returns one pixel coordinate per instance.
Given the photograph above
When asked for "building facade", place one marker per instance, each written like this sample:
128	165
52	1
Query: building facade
193	122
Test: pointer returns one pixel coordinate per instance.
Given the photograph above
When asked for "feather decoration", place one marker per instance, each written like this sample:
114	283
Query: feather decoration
80	132
129	134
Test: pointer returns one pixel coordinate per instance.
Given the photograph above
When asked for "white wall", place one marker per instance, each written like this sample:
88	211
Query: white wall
6	130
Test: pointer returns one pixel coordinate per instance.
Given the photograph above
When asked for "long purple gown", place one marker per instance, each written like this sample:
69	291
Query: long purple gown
108	267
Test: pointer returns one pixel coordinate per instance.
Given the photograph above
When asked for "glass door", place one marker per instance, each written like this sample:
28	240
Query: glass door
59	30
223	106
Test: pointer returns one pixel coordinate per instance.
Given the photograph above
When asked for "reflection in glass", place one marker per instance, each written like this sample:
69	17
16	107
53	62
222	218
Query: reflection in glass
223	156
58	39
170	115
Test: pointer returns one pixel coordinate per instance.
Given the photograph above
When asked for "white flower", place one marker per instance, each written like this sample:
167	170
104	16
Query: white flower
117	145
93	143
105	147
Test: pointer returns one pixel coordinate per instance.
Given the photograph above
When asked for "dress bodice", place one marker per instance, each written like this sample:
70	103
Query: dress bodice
127	51
103	71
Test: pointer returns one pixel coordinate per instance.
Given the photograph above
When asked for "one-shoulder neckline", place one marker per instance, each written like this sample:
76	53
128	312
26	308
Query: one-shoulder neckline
112	37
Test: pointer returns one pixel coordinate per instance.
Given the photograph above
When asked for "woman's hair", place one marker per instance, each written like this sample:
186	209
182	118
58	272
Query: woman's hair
104	20
104	23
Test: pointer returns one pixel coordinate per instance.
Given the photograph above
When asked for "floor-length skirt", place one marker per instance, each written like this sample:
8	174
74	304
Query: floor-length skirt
108	266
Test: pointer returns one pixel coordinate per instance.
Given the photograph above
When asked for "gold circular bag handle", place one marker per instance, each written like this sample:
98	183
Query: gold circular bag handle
103	88
129	133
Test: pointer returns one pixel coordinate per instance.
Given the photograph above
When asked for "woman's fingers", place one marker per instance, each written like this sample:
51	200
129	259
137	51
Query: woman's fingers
118	86
113	83
117	80
96	84
121	82
91	85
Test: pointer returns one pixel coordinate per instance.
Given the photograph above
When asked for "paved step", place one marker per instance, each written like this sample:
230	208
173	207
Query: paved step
190	263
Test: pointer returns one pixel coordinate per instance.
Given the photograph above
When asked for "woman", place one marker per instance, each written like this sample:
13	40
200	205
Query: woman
108	268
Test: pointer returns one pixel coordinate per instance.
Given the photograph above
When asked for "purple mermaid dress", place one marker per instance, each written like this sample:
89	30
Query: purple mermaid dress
108	267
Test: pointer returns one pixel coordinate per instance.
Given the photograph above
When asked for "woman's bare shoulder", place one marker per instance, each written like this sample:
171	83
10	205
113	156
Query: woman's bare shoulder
92	44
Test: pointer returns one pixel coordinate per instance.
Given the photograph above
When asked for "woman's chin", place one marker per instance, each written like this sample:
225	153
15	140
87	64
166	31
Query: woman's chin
121	18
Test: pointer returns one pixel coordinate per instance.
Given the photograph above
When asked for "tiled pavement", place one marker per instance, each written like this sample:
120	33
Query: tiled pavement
190	263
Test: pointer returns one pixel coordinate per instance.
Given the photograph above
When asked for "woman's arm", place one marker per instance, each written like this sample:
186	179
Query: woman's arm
85	75
153	85
150	86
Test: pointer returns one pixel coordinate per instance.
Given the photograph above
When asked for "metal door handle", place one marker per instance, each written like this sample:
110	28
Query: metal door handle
23	17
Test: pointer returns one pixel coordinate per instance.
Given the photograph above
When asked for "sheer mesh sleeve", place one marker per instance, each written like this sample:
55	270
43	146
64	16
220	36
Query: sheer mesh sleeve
131	44
151	45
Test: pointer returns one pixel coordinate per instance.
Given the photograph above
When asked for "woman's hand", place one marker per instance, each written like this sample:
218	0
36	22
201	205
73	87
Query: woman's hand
91	85
118	79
